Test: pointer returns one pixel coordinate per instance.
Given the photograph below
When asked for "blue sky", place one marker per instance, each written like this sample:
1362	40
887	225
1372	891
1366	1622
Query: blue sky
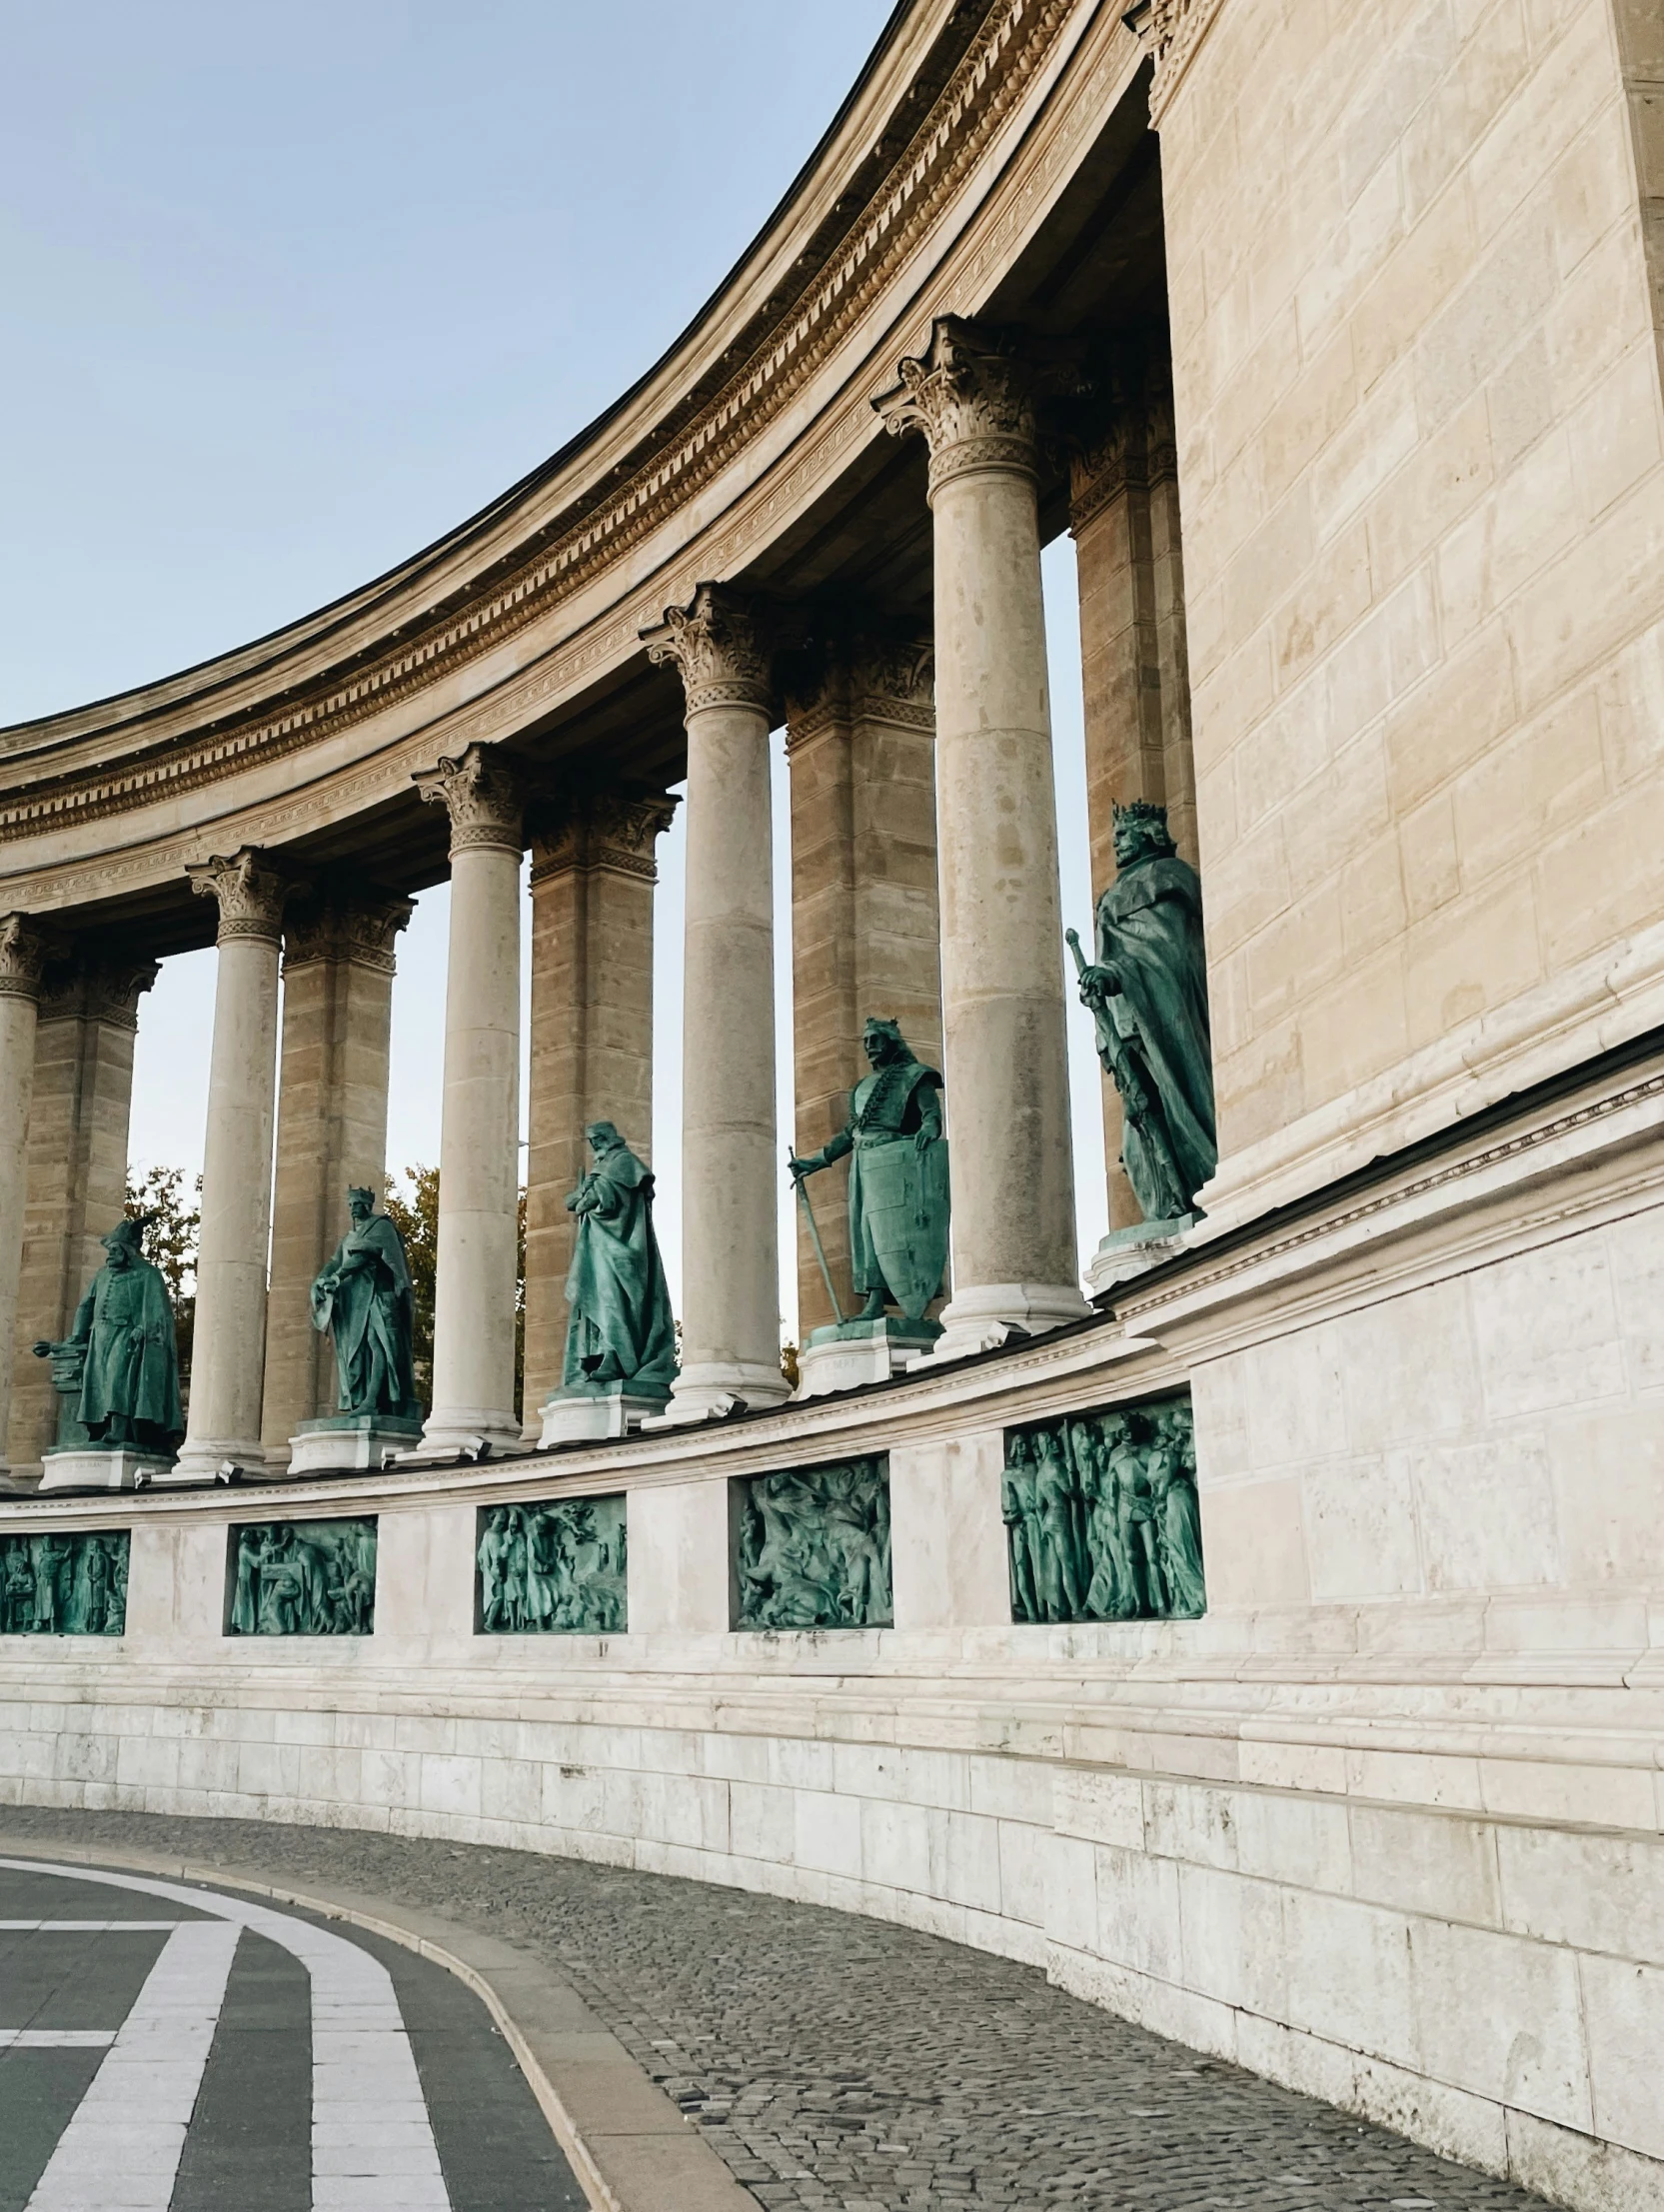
286	293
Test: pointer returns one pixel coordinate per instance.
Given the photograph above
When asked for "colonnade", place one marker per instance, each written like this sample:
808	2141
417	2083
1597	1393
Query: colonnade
946	916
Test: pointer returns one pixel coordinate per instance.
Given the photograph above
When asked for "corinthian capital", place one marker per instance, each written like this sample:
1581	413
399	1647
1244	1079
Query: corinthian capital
98	984
971	396
485	797
717	646
249	890
25	949
357	924
601	826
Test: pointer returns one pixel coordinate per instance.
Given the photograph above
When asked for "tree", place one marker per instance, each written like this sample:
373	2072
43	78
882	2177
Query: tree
170	1243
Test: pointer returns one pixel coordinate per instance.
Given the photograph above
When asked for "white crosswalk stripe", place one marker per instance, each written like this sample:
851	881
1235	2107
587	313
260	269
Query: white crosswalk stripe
373	2146
56	2039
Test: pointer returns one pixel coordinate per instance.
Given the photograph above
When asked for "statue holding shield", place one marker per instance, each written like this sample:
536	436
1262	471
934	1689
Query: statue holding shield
898	1177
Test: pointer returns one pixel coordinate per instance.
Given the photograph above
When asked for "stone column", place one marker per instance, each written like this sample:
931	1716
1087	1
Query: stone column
732	1161
24	948
228	1350
331	1128
77	1170
1015	1266
478	1140
865	931
593	872
1123	516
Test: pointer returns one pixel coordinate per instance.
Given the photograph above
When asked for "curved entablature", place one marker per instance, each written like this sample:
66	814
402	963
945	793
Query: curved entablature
993	159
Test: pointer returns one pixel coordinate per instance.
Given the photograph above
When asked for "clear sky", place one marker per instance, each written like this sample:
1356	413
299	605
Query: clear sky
287	292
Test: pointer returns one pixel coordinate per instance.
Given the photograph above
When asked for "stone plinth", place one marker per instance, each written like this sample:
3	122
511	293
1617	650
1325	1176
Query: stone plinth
87	1467
571	1416
846	1354
349	1443
1135	1250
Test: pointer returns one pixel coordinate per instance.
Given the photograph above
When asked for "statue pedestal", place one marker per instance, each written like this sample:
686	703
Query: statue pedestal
350	1443
99	1467
575	1416
1126	1253
848	1354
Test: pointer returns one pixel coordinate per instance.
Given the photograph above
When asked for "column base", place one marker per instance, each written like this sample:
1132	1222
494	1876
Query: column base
1126	1253
350	1443
573	1416
87	1467
457	1432
206	1461
988	1315
716	1388
848	1354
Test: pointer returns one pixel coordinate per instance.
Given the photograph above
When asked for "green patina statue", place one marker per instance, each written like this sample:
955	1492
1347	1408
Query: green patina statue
73	1584
364	1298
304	1578
621	1328
898	1177
1147	991
120	1363
813	1547
1102	1516
558	1569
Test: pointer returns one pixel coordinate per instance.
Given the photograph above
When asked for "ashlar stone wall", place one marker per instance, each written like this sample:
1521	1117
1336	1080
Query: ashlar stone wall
1418	411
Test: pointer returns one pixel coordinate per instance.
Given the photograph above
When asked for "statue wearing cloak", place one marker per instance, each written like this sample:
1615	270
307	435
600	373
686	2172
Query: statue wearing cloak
364	1298
898	1177
621	1328
128	1354
1147	991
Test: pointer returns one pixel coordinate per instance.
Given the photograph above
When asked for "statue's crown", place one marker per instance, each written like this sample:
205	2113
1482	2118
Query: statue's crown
1144	815
360	1191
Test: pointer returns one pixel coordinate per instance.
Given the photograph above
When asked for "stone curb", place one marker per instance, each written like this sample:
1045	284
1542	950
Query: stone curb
627	2144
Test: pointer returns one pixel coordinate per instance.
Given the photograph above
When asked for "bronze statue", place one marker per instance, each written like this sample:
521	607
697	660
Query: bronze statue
120	1363
362	1298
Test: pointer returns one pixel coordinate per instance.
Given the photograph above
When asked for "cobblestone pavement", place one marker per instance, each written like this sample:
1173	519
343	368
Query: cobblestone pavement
849	2066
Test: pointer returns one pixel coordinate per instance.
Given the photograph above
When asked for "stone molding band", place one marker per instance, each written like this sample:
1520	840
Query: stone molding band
485	797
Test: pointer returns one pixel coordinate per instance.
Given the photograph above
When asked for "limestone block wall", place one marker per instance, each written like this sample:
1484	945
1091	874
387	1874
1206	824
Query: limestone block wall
1419	410
1387	1824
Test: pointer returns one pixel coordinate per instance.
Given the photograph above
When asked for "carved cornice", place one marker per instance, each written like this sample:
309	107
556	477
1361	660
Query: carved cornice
103	987
1177	28
603	826
355	925
798	330
25	949
717	646
971	396
484	797
250	891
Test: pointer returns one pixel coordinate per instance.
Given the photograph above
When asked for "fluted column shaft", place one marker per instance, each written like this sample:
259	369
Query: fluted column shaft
1014	1265
730	1155
23	951
478	1138
228	1351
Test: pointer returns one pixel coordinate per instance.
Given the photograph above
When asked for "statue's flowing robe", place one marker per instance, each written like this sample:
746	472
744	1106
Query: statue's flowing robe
1150	931
130	1372
370	1313
898	1198
621	1308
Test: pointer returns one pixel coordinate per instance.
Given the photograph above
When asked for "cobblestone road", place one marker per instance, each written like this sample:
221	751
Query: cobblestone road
845	2065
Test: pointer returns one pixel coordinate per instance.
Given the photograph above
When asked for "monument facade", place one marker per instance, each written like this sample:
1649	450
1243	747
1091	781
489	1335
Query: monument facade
1262	1635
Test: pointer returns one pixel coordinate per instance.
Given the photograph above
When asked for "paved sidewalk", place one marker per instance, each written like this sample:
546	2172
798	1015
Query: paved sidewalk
849	2066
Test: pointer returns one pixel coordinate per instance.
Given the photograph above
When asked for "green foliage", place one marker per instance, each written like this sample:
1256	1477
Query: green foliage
416	1217
170	1243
